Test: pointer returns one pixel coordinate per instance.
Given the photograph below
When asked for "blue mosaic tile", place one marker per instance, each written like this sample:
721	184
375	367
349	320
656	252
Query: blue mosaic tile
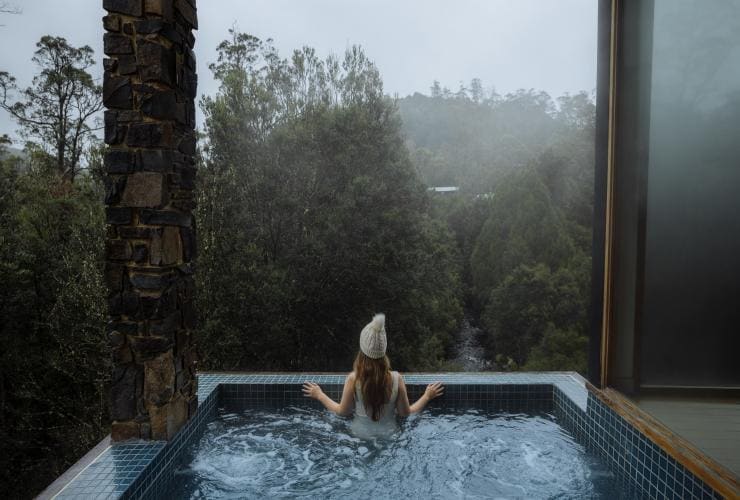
113	470
640	466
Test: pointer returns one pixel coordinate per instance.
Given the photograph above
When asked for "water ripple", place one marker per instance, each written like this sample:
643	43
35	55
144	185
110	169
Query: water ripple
301	453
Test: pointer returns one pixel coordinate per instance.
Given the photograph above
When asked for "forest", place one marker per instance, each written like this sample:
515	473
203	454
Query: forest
314	212
522	218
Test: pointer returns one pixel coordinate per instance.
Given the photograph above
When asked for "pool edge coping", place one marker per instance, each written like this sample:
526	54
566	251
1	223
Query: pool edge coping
69	475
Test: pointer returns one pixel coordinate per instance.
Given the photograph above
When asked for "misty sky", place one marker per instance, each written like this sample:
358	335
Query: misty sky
510	44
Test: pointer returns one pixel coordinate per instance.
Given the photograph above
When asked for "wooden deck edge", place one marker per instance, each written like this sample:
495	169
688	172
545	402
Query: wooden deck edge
706	468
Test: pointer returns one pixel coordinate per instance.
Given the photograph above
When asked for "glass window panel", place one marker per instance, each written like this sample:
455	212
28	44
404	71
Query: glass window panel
690	307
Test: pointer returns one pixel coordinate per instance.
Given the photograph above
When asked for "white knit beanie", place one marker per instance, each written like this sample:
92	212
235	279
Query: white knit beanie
372	338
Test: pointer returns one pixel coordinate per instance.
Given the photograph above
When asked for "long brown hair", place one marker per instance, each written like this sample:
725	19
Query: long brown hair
374	377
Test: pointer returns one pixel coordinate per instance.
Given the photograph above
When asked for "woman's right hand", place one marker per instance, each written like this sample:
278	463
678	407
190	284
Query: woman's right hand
312	390
434	390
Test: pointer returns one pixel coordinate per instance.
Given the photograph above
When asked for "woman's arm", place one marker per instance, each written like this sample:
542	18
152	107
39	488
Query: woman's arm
343	408
402	403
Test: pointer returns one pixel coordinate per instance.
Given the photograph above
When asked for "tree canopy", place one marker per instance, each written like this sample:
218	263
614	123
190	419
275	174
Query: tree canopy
312	218
522	218
57	111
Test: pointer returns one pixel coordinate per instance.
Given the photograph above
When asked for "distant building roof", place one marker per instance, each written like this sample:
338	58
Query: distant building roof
444	189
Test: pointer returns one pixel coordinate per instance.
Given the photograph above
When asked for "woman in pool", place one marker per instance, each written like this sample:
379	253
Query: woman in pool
372	390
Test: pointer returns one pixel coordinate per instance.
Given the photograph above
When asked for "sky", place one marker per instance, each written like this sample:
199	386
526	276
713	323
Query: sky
546	45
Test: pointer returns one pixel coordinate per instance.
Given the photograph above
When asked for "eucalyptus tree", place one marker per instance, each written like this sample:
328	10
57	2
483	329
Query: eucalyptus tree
57	111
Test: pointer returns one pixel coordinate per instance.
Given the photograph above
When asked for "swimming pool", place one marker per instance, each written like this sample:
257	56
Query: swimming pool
443	453
624	454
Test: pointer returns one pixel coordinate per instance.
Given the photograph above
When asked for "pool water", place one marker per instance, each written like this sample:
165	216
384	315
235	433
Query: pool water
443	453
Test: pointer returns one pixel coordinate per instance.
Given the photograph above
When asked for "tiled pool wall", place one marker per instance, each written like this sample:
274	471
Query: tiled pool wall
643	469
511	397
157	478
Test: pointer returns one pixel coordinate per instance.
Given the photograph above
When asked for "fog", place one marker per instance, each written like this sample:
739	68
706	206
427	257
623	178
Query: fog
510	45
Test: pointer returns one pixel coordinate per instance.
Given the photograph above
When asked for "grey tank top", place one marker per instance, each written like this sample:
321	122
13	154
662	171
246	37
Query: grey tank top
389	410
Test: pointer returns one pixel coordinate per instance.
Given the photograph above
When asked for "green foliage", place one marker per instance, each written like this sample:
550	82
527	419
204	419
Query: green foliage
54	367
531	265
558	350
464	216
311	218
530	299
522	220
523	228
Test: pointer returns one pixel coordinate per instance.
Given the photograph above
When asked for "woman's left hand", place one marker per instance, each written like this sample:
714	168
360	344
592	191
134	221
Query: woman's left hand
311	390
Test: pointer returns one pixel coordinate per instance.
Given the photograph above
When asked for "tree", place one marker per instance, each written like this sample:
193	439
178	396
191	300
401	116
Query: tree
559	350
54	364
311	217
525	168
464	216
577	111
462	92
436	90
529	302
59	107
476	90
524	227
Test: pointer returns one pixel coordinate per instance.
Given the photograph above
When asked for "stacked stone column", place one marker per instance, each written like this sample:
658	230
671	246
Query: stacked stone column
149	93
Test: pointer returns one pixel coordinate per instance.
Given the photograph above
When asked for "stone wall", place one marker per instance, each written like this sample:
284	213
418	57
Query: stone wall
149	91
